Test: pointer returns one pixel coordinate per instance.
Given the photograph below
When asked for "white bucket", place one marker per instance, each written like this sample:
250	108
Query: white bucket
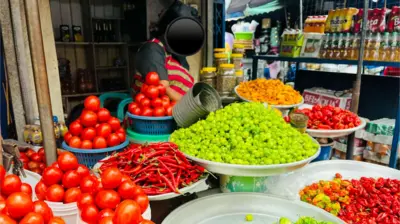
146	215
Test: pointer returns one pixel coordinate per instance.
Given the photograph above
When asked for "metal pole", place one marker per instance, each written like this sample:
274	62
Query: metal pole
41	80
357	83
395	143
301	15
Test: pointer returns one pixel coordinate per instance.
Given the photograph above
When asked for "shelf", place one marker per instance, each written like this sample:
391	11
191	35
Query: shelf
88	94
327	61
110	67
107	18
72	43
109	43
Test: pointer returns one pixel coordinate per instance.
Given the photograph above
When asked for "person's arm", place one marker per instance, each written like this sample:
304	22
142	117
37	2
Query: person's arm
151	58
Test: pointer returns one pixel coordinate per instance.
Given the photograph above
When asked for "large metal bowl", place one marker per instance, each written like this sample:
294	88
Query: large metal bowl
252	170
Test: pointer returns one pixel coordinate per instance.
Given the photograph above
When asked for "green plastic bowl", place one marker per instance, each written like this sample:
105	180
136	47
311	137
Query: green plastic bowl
244	35
244	184
134	137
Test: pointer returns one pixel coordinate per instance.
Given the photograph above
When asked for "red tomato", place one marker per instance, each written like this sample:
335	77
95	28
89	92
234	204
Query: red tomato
88	134
127	189
106	213
89	213
2	204
41	152
128	212
42	166
11	184
111	178
67	161
157	102
2	173
137	112
52	175
71	195
152	92
162	89
29	152
147	222
37	170
75	128
33	165
23	157
139	97
67	137
71	179
165	103
159	112
106	220
36	157
84	200
75	142
143	201
87	144
120	130
55	193
132	106
121	136
144	87
88	184
56	220
4	219
169	111
99	143
40	190
18	205
92	103
32	218
166	99
83	171
43	209
152	78
173	103
107	199
103	115
88	118
104	130
145	103
137	191
114	123
113	140
147	112
26	188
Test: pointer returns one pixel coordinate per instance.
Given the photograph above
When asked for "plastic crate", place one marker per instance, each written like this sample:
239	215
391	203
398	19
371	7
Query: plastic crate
142	139
89	157
152	125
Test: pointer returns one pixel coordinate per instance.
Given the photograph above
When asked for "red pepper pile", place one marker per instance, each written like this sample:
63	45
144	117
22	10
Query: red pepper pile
33	161
366	200
330	118
158	168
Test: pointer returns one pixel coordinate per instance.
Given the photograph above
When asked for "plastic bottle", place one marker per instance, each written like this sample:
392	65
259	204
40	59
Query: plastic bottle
392	47
384	50
374	56
368	44
355	48
397	49
325	46
345	53
334	46
340	46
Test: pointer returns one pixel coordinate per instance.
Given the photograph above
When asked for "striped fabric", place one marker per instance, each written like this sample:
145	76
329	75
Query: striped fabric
179	77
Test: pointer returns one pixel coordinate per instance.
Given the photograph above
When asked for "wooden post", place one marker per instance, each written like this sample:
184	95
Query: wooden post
11	68
41	79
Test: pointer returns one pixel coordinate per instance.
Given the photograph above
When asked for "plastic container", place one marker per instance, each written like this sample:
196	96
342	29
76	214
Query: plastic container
106	96
237	60
220	58
89	157
152	125
243	184
239	76
196	104
326	151
226	79
244	35
208	75
238	49
134	137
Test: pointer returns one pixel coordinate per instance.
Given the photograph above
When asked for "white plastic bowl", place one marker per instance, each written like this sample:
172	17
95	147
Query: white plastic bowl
336	133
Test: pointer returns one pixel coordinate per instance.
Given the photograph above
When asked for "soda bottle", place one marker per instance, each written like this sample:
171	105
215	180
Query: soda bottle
339	49
346	47
384	52
392	47
375	47
324	46
334	46
368	44
355	49
397	49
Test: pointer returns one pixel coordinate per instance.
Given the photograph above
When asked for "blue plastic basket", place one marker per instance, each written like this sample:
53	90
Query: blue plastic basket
152	125
89	157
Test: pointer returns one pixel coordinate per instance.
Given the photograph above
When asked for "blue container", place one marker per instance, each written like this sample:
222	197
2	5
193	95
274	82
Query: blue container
89	157
152	125
326	151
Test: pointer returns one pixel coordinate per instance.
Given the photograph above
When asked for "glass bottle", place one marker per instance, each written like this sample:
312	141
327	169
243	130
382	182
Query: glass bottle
375	47
355	49
324	46
344	54
334	46
384	50
392	47
340	46
368	45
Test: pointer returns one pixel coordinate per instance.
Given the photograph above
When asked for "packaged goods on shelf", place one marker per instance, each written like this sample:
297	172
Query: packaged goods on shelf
337	154
315	24
394	19
340	20
340	144
327	97
292	41
382	126
312	45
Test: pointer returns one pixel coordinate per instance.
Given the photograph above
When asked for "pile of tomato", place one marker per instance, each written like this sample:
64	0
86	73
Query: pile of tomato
330	118
95	128
152	99
17	206
33	161
100	200
365	200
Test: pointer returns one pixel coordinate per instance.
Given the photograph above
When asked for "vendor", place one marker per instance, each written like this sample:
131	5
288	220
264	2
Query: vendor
157	56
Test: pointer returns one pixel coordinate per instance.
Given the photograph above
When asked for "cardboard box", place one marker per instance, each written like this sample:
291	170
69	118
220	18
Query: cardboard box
327	97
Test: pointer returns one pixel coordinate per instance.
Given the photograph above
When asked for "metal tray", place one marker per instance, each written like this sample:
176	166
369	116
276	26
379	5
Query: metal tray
336	133
231	208
252	170
274	106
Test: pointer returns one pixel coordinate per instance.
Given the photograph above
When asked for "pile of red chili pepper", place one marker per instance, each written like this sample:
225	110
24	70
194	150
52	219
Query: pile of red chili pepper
364	201
158	168
330	118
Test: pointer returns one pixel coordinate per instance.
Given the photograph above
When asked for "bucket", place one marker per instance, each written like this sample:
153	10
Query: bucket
136	138
243	184
326	151
68	212
196	104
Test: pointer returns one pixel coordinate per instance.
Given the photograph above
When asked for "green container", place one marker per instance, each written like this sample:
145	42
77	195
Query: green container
244	36
141	139
244	184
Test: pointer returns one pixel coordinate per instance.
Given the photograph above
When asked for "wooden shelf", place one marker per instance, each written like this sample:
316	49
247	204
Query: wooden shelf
110	67
72	43
109	43
107	18
95	93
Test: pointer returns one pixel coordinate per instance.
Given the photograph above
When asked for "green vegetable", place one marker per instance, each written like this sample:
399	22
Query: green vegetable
247	134
303	220
285	221
249	217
